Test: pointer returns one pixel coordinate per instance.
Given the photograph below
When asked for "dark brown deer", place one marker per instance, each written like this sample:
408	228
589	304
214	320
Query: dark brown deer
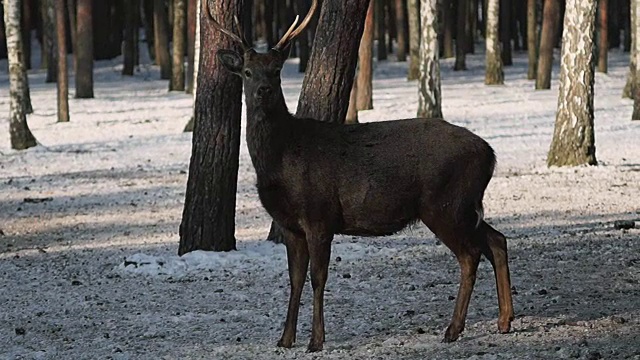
317	179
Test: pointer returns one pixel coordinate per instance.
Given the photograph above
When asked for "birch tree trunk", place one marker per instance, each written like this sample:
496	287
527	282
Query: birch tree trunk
629	88
63	77
414	40
573	137
429	94
494	74
177	72
532	39
636	52
21	136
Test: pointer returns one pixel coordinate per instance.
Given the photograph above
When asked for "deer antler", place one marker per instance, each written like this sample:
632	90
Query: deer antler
237	38
294	30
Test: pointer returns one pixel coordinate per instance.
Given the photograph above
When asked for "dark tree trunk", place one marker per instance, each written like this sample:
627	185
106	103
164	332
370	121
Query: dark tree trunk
505	31
107	29
364	87
191	42
461	36
63	84
447	33
208	219
603	45
382	29
550	19
269	11
147	15
334	57
303	39
161	38
177	72
471	28
84	51
614	21
49	39
532	39
129	29
401	36
27	19
247	21
73	28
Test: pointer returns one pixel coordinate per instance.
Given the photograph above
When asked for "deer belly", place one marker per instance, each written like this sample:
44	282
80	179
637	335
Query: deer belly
376	215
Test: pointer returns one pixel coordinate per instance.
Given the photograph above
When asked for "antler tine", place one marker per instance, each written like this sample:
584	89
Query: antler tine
294	31
234	37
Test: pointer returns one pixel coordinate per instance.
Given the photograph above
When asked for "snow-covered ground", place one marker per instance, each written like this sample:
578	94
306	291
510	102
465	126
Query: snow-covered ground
89	270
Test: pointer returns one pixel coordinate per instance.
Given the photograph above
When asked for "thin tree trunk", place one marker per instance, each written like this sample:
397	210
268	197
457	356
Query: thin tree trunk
63	80
161	38
208	219
550	19
635	5
27	20
461	37
352	112
21	136
191	35
196	63
447	24
177	73
494	74
84	52
49	33
603	45
401	36
129	29
629	90
364	92
506	21
573	138
149	26
73	29
379	14
429	93
414	39
532	39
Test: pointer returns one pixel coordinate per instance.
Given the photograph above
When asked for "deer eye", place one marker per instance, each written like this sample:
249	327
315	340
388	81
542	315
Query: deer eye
247	73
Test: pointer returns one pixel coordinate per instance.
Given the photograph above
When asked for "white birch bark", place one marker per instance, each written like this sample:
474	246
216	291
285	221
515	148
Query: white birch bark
573	138
429	93
21	137
494	74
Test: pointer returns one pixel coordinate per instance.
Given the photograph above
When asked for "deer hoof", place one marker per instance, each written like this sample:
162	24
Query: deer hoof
451	334
504	326
314	347
284	343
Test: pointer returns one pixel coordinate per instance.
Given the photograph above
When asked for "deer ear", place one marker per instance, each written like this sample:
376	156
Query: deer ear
230	60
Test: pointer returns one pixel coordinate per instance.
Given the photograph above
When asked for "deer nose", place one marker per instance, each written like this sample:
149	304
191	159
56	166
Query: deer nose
264	91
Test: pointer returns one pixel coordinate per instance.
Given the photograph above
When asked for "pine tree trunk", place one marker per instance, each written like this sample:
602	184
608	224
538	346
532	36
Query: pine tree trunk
129	29
603	45
161	38
532	39
21	136
506	22
49	32
333	56
461	37
177	73
196	63
302	7
429	94
379	14
191	38
352	112
208	219
573	138
550	19
26	33
63	79
635	5
447	24
364	93
629	90
73	28
147	16
494	74
401	36
414	39
84	52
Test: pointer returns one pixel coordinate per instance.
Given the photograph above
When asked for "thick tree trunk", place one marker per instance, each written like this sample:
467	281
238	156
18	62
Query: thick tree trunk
161	38
191	35
429	94
635	4
414	39
364	93
603	45
573	138
63	79
461	37
129	30
208	219
506	22
177	72
532	39
84	52
401	36
328	82
379	14
629	90
21	136
494	74
550	19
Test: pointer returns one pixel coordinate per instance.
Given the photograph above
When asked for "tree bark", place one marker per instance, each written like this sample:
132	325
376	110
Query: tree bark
161	38
532	39
550	19
635	5
629	90
21	136
401	36
129	30
327	85
506	22
461	37
191	35
447	24
302	7
49	32
63	79
84	52
352	112
196	63
147	17
494	74
603	45
208	219
364	92
177	73
414	39
379	14
73	28
573	138
27	19
429	93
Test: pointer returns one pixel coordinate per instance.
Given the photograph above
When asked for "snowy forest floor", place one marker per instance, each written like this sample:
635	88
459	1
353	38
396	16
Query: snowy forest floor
89	221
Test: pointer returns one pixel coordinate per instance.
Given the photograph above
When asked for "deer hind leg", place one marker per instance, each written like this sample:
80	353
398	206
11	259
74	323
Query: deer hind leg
320	254
494	248
298	260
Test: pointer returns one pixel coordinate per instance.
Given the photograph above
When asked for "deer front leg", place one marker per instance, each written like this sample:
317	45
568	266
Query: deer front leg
320	253
298	259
